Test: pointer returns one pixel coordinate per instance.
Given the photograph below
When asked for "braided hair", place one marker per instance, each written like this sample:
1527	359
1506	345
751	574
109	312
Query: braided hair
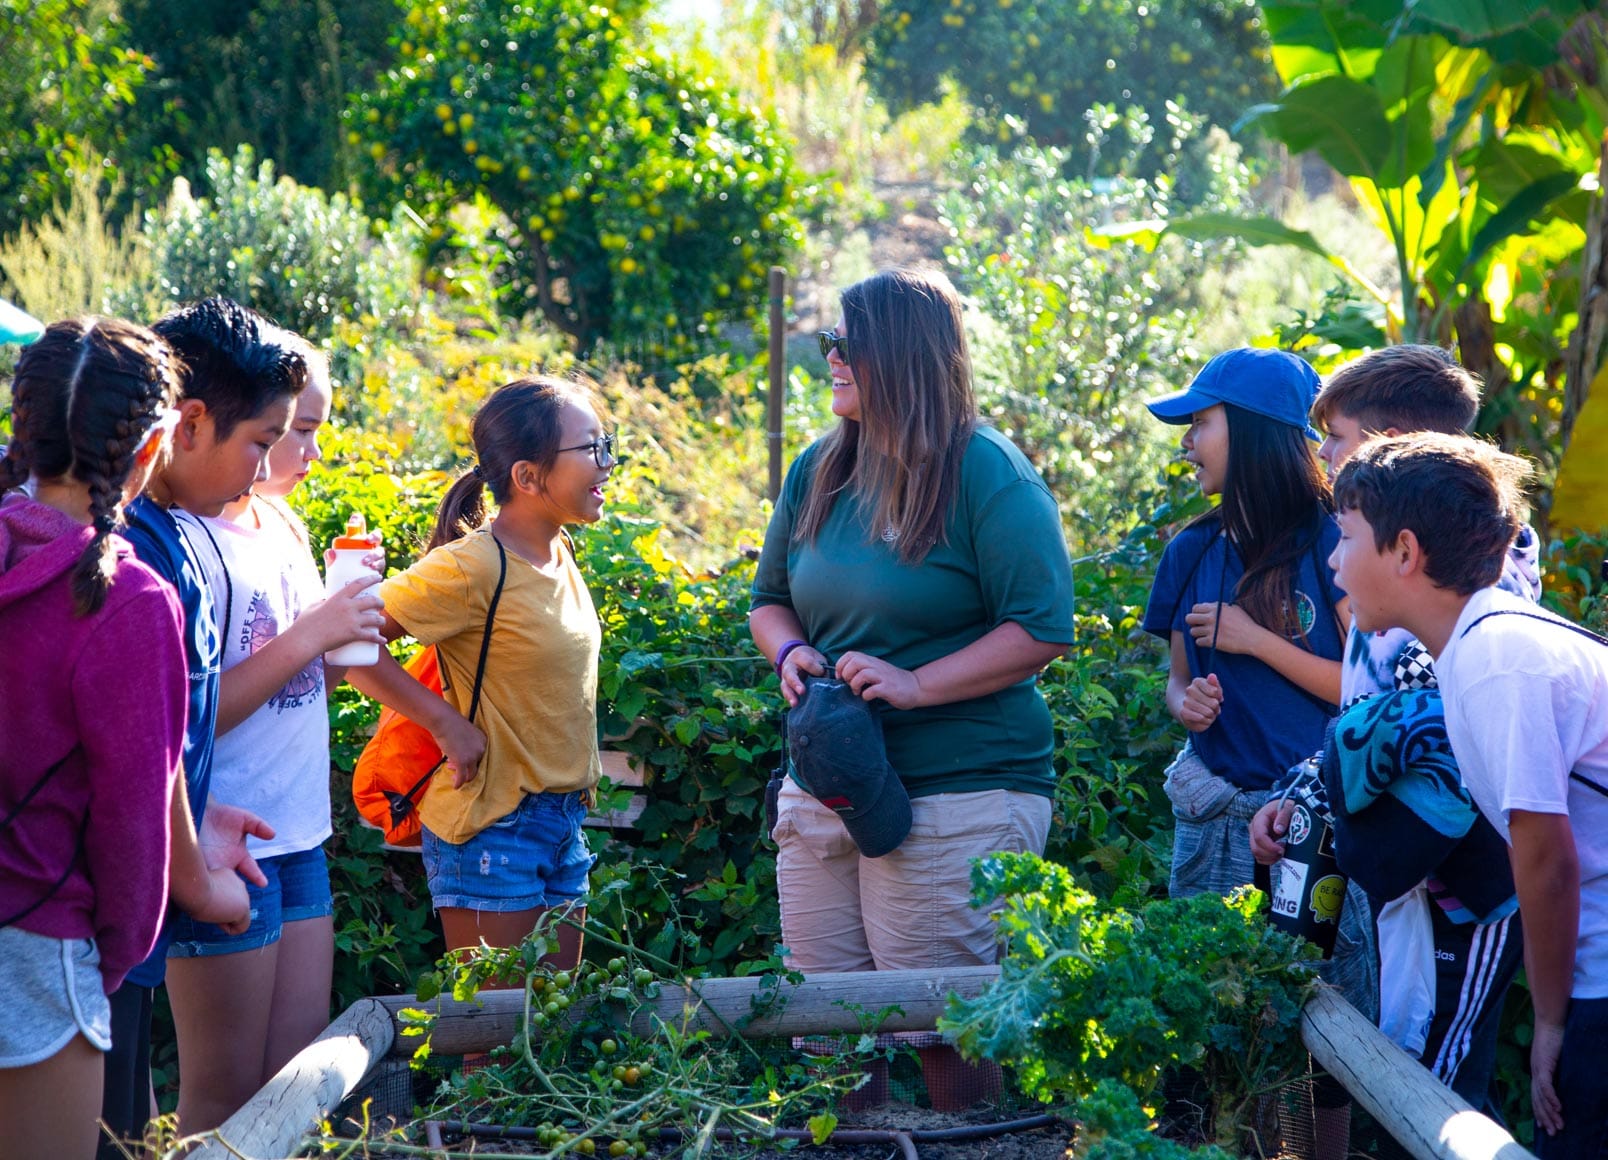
83	398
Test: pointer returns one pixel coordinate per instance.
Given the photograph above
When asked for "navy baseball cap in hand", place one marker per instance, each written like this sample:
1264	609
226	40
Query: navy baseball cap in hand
1274	383
835	742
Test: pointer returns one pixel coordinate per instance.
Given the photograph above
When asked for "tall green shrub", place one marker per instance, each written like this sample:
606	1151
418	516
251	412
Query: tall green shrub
271	74
68	80
647	201
1042	66
304	258
1073	336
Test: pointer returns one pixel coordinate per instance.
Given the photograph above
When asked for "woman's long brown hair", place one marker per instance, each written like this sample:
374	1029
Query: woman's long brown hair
901	460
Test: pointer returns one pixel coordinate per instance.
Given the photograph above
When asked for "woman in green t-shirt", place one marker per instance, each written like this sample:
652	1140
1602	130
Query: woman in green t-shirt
916	552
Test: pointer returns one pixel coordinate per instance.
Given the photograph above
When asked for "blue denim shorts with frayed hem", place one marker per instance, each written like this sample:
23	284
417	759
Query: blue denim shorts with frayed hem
298	888
535	856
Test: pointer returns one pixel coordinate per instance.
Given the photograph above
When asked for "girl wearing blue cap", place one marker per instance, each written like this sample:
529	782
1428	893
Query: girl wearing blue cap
1245	599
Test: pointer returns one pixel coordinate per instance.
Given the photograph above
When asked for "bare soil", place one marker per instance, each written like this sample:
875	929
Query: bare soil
1042	1143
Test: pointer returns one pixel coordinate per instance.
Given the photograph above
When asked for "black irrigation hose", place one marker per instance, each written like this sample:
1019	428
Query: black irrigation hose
898	1136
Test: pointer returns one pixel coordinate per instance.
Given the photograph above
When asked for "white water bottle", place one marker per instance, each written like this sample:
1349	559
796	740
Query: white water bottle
346	564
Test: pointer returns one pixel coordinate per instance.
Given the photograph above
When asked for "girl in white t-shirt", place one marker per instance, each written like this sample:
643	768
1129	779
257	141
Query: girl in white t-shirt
244	1004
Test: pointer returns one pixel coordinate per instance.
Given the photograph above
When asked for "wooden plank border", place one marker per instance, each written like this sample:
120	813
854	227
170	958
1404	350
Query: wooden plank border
757	1007
1427	1118
307	1088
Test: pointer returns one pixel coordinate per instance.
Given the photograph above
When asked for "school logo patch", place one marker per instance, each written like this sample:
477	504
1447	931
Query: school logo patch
1306	615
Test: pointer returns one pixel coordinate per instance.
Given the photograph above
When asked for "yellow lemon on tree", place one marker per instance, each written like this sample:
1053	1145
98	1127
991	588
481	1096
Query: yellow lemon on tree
628	265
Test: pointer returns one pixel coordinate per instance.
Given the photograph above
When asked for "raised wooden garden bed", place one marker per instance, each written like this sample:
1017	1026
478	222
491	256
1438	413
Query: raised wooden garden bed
1428	1120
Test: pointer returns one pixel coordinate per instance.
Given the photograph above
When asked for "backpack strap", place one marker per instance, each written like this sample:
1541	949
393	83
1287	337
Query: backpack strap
491	616
1585	632
78	849
1575	628
480	670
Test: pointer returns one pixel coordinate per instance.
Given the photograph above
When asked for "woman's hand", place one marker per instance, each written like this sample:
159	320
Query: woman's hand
1203	701
874	679
801	661
1227	627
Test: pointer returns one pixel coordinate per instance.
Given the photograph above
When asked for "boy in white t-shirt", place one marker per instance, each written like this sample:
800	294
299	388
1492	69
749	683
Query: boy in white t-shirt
1426	522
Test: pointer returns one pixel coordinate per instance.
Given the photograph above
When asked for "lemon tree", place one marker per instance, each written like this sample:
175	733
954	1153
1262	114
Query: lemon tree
647	202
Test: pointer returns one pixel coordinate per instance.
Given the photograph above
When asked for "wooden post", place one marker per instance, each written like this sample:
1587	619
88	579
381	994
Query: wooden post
1428	1119
824	1004
778	380
307	1088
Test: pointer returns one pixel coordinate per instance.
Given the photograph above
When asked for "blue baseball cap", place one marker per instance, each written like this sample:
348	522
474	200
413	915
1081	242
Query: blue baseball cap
1275	383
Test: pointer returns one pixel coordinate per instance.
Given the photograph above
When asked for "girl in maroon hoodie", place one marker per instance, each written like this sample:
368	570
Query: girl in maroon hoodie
92	704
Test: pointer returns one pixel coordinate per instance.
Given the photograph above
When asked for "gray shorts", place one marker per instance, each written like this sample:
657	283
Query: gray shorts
52	993
1211	838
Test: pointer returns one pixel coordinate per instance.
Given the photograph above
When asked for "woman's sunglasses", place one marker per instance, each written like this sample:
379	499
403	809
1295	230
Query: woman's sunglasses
829	339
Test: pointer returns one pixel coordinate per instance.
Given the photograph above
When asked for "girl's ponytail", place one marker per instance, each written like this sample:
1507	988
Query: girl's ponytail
462	510
518	421
84	398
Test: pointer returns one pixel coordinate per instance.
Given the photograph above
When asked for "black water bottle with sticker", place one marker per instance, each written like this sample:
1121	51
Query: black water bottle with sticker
1307	890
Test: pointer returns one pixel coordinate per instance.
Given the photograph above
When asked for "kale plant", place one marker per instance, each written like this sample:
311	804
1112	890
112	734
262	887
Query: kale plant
1094	999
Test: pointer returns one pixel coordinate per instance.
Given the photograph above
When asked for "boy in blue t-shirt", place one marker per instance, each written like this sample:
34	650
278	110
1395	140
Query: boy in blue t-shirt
240	385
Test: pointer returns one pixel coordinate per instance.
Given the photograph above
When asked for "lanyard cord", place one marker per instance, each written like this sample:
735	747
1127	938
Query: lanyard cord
1217	616
228	585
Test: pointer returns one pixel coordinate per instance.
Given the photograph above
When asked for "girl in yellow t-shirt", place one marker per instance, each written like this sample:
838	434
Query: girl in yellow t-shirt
502	822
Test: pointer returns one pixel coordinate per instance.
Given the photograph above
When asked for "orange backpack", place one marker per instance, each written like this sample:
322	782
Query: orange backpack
397	764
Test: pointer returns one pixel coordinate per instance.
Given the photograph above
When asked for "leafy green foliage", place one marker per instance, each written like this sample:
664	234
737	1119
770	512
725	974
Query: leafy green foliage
645	199
302	258
686	692
1470	136
1113	733
70	76
1074	334
596	1070
271	74
1090	992
1044	66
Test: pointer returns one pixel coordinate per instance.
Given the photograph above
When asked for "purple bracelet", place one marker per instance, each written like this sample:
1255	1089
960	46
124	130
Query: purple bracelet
781	653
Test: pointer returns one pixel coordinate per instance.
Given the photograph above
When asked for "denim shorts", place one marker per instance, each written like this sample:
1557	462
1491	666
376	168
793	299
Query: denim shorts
535	856
298	888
